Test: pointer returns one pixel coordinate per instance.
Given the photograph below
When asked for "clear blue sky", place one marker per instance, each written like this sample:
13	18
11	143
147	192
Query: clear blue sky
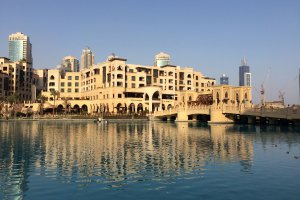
211	36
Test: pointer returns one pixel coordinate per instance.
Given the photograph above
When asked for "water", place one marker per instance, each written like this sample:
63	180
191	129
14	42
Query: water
148	160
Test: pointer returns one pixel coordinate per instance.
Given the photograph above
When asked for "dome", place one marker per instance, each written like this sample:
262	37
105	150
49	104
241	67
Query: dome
162	55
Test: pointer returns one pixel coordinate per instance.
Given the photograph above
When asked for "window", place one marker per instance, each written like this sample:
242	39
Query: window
119	96
69	84
62	90
76	77
69	90
133	85
62	84
76	84
69	77
76	90
133	78
161	81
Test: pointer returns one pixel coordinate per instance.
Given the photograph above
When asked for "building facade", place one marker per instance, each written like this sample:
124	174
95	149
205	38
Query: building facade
19	76
87	58
70	64
224	80
118	87
19	47
67	84
244	69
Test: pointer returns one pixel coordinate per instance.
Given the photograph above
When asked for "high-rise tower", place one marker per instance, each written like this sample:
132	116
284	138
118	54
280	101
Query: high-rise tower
19	47
70	64
224	80
244	73
87	58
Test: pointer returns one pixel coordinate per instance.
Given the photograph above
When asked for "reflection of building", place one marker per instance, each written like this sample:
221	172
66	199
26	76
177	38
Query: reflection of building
116	151
87	58
224	80
244	74
70	64
19	47
117	86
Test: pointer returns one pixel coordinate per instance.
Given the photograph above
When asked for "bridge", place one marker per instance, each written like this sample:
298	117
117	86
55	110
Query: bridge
230	114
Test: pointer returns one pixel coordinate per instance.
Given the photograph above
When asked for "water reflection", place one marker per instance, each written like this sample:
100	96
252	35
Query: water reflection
117	154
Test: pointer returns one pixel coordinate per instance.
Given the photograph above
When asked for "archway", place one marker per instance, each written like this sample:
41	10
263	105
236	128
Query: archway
155	96
60	108
132	108
140	107
169	107
119	108
147	97
84	108
76	108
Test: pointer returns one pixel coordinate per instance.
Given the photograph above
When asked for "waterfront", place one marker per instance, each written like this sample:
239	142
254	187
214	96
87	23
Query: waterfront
147	160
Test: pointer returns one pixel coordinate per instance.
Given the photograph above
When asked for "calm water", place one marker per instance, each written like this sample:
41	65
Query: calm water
148	160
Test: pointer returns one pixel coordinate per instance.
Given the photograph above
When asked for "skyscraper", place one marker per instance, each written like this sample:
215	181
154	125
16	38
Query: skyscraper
70	64
161	59
244	73
87	58
19	47
224	80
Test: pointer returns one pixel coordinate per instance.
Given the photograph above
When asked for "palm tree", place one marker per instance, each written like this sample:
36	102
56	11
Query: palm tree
54	93
13	100
42	98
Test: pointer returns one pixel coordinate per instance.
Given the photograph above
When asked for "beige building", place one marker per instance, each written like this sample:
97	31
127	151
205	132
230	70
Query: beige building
41	80
118	87
67	84
20	77
3	86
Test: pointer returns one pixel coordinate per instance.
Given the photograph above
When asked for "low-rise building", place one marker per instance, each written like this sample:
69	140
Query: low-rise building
19	75
119	87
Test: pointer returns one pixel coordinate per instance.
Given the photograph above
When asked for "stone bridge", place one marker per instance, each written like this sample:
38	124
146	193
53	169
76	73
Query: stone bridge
225	114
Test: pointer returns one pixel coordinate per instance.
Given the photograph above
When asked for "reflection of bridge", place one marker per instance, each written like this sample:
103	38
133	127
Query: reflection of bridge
224	113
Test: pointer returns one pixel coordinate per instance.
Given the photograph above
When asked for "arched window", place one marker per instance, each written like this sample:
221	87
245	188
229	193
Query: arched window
51	77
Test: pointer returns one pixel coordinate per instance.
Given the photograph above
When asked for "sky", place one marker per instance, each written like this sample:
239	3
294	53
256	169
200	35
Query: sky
210	35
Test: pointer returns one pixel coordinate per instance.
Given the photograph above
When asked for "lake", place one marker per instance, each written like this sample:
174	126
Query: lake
148	160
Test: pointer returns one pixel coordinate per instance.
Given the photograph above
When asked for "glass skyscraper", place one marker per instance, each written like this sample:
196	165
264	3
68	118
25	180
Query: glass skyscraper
244	74
19	47
224	80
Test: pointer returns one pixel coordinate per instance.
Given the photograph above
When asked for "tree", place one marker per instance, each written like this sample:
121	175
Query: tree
42	98
54	93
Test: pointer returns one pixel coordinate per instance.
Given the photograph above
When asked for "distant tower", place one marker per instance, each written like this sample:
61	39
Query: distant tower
244	73
162	59
70	64
19	47
224	80
87	58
